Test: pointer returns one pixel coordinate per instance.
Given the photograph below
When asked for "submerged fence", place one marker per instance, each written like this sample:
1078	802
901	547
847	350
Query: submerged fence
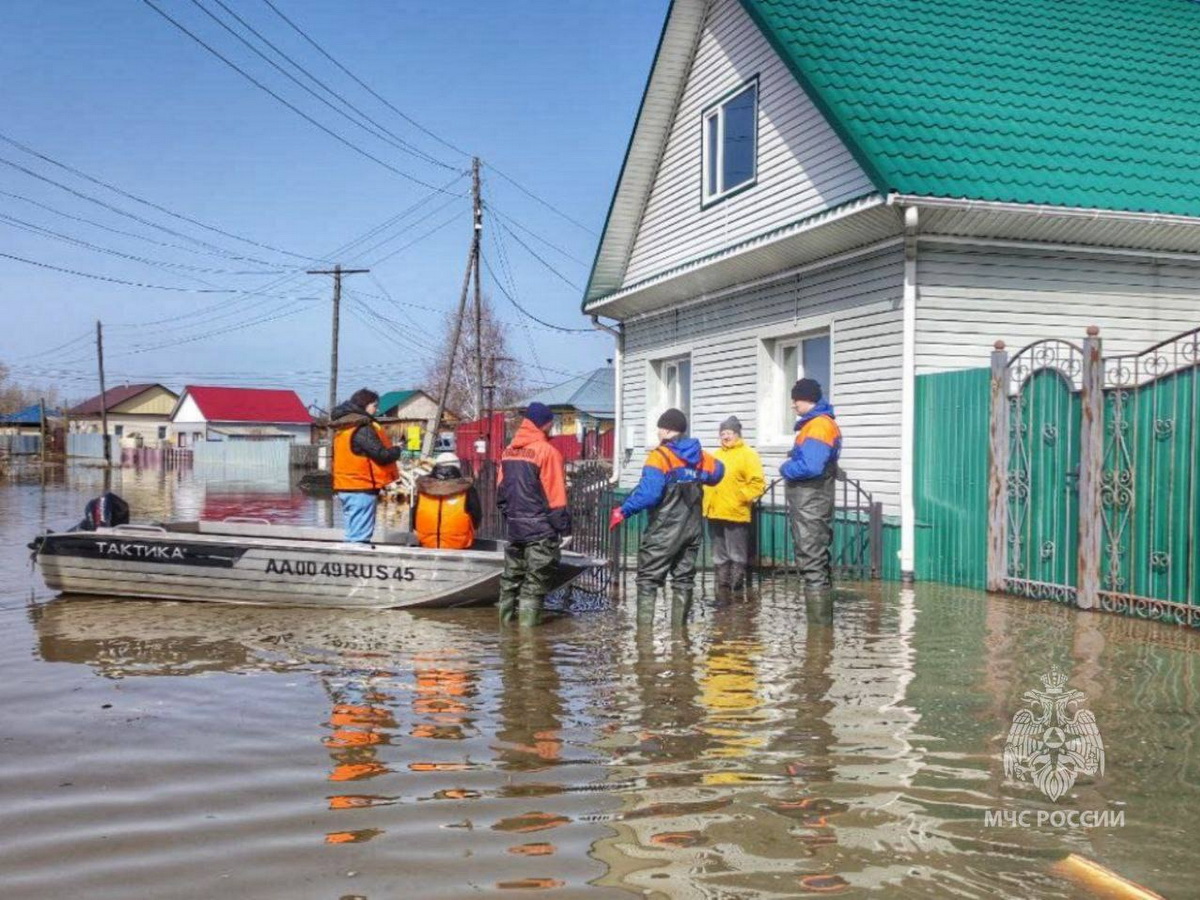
591	495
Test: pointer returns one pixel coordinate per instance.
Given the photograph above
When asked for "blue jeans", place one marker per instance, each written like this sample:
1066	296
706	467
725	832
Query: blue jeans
358	509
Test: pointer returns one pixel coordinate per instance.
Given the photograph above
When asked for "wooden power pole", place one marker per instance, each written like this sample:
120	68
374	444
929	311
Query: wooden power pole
103	399
472	267
337	272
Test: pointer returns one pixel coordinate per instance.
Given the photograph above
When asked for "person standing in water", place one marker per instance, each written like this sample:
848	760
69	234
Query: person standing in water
728	507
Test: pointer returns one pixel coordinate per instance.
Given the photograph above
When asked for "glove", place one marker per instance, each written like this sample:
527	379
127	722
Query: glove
615	518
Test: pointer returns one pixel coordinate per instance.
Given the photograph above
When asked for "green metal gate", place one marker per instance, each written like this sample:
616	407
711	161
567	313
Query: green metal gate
1094	476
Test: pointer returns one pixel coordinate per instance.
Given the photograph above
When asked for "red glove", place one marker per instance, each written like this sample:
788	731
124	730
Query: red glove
615	518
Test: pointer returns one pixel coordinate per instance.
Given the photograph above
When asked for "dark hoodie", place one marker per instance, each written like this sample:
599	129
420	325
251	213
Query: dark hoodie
365	441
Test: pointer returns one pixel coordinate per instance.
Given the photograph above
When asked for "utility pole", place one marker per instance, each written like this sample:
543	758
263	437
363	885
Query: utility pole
42	426
478	204
472	267
337	272
103	399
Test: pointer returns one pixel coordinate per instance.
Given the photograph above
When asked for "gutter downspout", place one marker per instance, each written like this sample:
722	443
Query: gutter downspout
908	391
618	334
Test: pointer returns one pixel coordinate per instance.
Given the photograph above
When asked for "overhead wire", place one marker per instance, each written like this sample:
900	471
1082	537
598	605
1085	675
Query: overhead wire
154	287
112	187
491	207
539	258
374	129
329	131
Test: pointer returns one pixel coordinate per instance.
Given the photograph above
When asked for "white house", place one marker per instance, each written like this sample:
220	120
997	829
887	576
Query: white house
871	192
239	414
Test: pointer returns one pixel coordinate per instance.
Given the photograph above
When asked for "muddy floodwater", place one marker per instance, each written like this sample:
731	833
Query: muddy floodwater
172	750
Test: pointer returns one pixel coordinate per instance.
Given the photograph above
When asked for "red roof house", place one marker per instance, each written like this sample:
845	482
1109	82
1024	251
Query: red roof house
239	414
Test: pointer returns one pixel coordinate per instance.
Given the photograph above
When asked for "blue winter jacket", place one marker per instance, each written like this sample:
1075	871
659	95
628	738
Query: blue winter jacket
683	462
817	448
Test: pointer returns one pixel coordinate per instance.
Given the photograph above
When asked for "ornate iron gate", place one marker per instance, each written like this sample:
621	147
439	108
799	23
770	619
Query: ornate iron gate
1094	485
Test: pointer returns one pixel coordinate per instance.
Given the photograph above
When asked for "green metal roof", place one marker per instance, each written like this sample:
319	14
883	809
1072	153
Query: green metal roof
393	399
1086	103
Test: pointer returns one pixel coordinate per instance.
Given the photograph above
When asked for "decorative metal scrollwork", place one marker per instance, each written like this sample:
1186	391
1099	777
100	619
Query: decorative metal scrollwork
1050	433
1059	356
1159	361
1164	429
1160	560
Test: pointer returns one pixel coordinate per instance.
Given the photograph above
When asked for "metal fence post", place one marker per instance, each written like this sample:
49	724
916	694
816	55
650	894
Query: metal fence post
1091	463
876	540
997	555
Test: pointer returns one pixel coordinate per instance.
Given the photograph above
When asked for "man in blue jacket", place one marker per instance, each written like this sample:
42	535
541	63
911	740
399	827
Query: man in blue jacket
810	471
671	487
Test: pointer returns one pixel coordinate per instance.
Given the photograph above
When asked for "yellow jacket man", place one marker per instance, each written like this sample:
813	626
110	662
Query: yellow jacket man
727	506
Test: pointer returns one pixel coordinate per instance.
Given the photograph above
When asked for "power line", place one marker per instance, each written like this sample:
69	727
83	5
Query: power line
526	312
512	234
145	202
155	287
546	203
529	231
417	240
287	103
364	85
377	131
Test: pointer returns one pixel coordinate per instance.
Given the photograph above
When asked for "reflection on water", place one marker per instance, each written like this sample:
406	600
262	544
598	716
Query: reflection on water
186	750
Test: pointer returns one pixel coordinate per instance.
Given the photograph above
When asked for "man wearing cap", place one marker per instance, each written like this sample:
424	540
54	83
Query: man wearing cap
670	488
810	471
446	509
532	496
728	505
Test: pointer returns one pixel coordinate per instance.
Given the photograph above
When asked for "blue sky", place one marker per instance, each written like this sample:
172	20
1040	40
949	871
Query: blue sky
544	91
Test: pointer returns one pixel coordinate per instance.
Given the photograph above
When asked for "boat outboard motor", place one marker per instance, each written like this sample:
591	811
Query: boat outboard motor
104	511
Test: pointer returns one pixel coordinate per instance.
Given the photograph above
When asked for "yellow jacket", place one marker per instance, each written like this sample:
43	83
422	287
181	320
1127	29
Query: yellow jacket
731	499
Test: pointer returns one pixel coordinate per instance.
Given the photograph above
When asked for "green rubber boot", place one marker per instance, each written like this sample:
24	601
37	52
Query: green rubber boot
818	605
530	616
646	598
681	605
508	610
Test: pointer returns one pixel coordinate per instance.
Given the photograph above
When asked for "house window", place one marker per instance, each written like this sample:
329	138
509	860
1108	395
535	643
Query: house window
731	143
792	358
118	430
674	389
162	432
182	438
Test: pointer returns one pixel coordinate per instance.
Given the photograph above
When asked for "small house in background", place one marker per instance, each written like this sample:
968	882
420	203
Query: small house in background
137	413
584	414
239	414
27	420
407	415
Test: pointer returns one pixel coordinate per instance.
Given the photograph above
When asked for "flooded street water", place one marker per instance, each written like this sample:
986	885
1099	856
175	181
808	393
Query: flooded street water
171	750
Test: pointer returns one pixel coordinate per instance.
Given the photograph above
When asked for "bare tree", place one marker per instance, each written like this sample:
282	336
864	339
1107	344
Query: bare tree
499	365
14	397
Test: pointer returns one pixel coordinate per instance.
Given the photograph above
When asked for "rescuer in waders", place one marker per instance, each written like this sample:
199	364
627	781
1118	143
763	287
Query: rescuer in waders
532	495
671	489
446	510
364	462
811	471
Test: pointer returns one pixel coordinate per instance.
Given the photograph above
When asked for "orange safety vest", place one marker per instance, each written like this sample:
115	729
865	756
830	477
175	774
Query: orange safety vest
443	523
352	472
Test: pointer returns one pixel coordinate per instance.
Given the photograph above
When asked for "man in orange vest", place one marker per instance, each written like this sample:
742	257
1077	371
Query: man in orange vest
446	510
364	462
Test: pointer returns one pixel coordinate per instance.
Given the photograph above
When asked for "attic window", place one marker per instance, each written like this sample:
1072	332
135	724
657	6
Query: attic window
731	143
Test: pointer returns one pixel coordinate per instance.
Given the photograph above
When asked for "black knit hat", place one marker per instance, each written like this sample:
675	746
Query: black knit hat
673	420
807	389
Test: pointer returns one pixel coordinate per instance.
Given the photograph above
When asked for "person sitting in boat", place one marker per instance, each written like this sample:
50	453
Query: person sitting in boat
446	509
364	462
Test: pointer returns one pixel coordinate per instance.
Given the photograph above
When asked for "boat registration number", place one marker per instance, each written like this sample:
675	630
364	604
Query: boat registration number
309	569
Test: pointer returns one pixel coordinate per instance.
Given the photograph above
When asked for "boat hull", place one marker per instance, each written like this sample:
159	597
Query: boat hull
272	566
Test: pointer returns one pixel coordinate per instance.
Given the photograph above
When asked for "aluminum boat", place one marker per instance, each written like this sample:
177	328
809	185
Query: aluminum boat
257	563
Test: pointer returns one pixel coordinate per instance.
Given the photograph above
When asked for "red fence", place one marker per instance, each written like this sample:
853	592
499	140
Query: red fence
593	446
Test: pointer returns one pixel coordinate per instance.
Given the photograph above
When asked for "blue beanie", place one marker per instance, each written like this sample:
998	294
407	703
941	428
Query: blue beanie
539	414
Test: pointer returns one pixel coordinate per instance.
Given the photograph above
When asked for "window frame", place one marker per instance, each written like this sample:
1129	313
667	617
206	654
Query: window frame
715	111
660	402
773	399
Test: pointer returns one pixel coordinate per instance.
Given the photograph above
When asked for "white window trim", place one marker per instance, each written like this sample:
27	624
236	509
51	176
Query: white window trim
775	435
655	385
717	110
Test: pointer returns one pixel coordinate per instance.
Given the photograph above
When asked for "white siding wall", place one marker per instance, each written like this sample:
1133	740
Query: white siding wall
803	167
859	300
969	298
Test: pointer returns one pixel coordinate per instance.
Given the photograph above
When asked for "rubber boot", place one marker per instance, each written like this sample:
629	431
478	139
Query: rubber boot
818	605
646	598
737	579
530	616
723	571
508	611
681	605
